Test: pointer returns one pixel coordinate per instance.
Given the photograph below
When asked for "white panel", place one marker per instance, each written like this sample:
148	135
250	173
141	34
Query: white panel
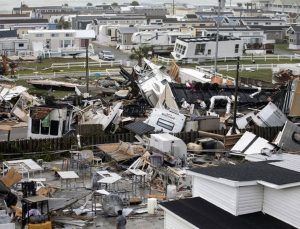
250	199
173	222
283	204
221	195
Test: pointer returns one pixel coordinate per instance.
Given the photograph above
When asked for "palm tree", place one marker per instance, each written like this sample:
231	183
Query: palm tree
140	53
135	3
62	24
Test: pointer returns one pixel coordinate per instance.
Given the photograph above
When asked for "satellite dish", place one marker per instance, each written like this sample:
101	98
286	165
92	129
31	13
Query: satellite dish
111	204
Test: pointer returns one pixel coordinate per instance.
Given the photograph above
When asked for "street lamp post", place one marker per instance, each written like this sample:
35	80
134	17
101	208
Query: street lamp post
87	64
236	96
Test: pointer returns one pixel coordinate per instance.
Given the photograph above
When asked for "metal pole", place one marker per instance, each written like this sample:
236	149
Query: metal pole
87	64
217	37
173	8
236	95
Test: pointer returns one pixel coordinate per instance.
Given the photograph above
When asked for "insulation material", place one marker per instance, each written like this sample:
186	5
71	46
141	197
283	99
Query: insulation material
11	178
122	151
249	143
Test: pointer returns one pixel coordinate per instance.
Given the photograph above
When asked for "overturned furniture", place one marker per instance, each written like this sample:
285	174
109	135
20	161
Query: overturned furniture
122	151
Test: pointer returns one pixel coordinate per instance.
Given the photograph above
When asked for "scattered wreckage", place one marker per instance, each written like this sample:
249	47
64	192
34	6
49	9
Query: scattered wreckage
164	100
90	185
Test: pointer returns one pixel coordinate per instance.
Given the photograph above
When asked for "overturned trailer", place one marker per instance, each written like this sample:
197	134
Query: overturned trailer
49	121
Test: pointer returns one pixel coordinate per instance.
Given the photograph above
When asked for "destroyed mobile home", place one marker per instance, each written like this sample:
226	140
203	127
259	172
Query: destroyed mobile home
168	100
153	174
93	182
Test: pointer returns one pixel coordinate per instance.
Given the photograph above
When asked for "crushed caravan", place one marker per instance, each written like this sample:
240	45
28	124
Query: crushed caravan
269	116
49	121
94	114
172	148
152	81
168	121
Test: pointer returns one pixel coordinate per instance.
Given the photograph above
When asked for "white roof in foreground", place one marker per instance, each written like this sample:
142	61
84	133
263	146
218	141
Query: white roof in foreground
28	164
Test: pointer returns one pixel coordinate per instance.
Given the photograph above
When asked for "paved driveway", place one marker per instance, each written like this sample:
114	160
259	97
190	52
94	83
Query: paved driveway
119	55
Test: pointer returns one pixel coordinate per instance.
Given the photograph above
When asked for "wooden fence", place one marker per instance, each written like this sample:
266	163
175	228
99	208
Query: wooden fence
21	148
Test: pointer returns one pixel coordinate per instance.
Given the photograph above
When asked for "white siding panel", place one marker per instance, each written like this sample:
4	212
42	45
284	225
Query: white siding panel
283	204
221	195
250	199
173	222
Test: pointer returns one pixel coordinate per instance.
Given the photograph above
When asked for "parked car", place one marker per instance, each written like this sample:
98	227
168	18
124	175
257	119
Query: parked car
106	55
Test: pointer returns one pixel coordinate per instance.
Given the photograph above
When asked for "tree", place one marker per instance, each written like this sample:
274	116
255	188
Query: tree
66	5
114	4
140	53
135	3
62	24
24	6
239	4
89	4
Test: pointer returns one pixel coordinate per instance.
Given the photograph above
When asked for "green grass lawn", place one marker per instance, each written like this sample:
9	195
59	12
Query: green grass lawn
285	47
264	74
45	66
282	47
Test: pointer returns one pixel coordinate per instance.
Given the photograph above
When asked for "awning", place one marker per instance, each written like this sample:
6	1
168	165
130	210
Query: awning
40	112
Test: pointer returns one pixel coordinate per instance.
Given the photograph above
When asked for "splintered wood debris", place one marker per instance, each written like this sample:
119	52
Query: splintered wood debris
122	151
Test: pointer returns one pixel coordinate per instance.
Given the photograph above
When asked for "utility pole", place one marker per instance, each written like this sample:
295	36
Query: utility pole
236	95
87	64
173	7
217	37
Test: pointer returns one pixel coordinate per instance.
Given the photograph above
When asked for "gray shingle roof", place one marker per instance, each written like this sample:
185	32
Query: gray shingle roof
205	215
252	171
8	33
12	21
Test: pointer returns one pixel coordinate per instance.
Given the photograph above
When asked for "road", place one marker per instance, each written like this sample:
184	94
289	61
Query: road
119	55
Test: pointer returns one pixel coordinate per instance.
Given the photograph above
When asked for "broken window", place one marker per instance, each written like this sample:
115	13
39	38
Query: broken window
165	124
44	130
236	48
64	127
35	126
54	127
45	125
200	48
